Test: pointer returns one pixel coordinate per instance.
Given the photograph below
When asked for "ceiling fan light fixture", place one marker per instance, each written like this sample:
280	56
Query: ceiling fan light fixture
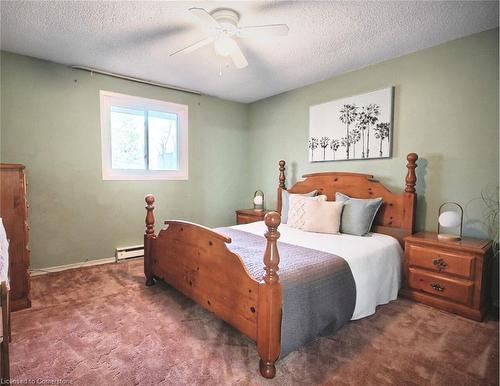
224	46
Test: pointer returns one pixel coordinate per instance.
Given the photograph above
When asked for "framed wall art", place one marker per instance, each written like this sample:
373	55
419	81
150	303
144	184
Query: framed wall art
352	128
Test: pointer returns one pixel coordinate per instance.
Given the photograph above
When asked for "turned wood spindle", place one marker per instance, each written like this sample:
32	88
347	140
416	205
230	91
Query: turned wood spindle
411	177
270	301
271	255
282	174
150	217
281	185
148	238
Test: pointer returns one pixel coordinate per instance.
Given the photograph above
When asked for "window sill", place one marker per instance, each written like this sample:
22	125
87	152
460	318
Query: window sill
145	176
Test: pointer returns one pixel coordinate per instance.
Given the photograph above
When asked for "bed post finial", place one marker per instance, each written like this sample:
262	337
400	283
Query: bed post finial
411	177
148	238
150	217
282	174
269	301
281	185
271	255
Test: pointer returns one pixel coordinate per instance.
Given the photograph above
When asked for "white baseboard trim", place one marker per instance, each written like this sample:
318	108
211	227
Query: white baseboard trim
88	263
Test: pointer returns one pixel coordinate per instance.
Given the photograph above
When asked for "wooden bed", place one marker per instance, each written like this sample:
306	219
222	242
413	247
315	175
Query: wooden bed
196	261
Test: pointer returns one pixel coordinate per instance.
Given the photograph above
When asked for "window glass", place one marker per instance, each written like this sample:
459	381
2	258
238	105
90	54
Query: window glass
127	138
162	141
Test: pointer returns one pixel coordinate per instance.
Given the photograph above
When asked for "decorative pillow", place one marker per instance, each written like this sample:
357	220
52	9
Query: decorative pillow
285	203
322	216
296	213
358	214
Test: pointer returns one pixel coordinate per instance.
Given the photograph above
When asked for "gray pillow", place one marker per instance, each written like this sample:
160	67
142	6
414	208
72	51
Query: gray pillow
358	214
285	203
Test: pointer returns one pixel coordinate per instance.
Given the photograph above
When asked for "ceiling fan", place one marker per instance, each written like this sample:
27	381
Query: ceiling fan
222	27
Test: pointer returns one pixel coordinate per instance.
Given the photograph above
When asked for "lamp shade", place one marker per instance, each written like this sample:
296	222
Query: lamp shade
258	200
449	219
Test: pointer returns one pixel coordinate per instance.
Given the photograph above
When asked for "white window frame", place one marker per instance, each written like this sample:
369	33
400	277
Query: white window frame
108	98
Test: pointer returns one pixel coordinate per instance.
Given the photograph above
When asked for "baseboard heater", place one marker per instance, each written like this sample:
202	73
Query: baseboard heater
125	253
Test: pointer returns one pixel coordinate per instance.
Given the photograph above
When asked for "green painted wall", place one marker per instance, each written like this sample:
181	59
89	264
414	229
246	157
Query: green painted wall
50	122
446	110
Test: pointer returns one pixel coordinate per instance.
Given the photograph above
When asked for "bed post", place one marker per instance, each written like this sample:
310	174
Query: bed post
410	193
281	185
149	235
269	303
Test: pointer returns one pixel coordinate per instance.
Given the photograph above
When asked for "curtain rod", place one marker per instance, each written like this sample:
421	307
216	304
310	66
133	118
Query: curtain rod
94	70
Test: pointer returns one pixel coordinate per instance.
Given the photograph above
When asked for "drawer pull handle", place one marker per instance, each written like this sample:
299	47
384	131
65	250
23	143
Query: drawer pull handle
437	287
440	264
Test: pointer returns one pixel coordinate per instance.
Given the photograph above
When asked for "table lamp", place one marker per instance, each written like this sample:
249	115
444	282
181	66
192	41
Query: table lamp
450	219
258	200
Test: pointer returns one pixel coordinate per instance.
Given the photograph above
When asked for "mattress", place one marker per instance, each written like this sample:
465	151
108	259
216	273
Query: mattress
375	261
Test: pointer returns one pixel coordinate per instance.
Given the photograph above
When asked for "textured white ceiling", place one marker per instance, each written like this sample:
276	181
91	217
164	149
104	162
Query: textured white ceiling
326	38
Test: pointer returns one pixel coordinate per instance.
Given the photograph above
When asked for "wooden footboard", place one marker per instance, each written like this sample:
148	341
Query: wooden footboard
196	261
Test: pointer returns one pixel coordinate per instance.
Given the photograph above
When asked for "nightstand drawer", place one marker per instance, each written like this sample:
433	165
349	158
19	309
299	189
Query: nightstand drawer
244	219
439	261
245	216
457	290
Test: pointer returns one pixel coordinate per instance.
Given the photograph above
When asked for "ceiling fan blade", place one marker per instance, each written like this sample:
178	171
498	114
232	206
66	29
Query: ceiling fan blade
194	46
263	30
207	19
237	56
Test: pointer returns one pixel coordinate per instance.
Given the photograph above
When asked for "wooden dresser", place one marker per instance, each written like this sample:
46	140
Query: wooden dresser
245	216
450	275
14	212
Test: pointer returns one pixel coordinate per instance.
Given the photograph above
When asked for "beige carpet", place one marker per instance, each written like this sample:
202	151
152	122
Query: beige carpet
102	326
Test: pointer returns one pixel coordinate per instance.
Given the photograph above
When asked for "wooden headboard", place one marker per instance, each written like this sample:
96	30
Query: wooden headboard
396	216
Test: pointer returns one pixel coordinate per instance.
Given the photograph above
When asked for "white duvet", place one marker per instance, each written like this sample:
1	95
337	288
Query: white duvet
375	261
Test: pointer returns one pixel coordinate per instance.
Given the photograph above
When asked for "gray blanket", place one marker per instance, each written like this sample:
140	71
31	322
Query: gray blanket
319	292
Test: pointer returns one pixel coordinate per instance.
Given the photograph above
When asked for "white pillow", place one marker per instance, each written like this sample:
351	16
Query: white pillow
322	216
296	213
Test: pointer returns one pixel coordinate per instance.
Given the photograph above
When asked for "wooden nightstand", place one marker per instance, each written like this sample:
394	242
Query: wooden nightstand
245	216
450	275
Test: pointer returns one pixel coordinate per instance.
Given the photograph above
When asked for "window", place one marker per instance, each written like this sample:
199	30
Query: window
143	139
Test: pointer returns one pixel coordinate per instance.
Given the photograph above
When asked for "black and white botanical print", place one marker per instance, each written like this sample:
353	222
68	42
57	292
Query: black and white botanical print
358	127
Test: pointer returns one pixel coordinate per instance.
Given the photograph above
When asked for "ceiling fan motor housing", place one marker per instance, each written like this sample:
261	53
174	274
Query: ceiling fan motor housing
227	18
